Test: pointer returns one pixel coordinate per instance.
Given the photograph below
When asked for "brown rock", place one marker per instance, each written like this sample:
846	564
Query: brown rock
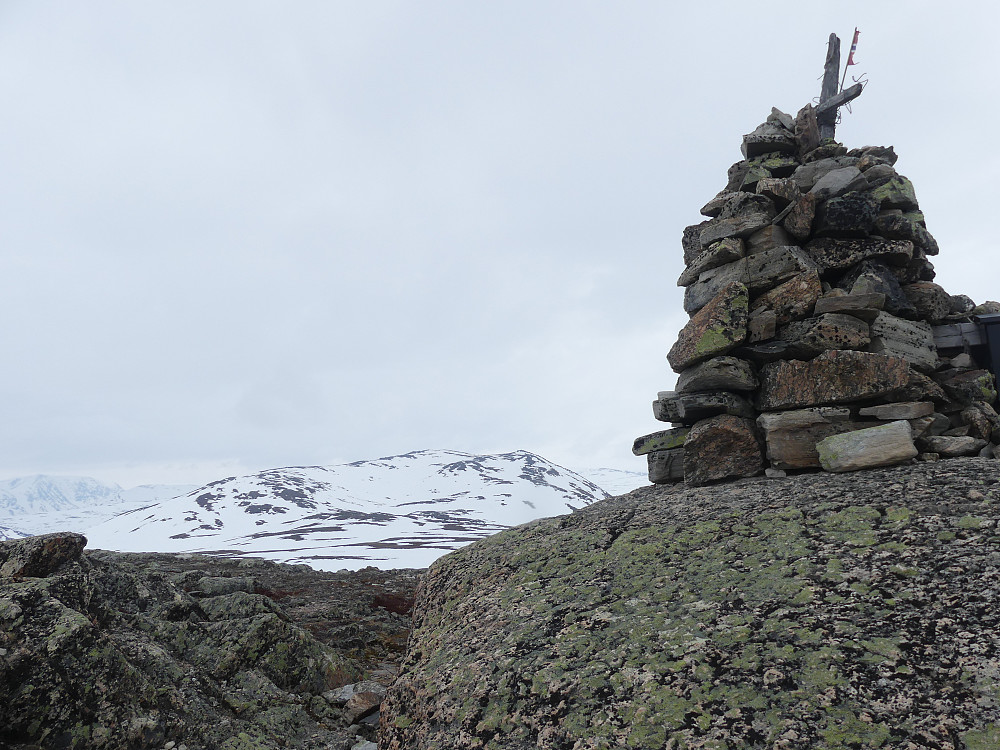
921	388
798	222
718	327
831	378
812	336
806	129
791	436
933	303
723	447
884	445
791	300
983	421
39	556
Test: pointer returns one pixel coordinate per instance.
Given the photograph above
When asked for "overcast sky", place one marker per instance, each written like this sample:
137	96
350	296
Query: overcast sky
242	235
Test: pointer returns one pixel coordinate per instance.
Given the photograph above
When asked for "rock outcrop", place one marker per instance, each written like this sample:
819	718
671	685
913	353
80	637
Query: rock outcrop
822	611
112	650
810	285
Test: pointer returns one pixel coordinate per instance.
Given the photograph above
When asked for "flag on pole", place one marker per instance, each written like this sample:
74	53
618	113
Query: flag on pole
854	47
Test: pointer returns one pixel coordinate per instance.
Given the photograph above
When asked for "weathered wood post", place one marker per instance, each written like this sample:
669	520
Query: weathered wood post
829	99
831	70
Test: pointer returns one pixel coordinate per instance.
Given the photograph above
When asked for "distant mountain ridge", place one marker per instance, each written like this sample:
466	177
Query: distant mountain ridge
41	503
395	511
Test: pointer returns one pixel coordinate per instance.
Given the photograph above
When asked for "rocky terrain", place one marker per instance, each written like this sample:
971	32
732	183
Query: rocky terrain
851	610
112	650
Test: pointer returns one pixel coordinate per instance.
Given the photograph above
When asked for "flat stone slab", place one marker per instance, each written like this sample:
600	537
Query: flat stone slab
660	441
913	340
736	226
696	406
665	407
863	306
715	255
831	378
812	336
665	467
718	327
832	254
719	374
899	410
953	446
884	445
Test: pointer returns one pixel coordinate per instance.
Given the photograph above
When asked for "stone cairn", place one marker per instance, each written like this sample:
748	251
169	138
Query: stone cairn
811	341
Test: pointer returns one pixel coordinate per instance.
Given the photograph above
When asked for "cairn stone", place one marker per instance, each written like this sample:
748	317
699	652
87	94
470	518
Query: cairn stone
659	441
869	448
832	255
719	326
813	336
791	436
665	467
791	300
834	377
719	374
722	447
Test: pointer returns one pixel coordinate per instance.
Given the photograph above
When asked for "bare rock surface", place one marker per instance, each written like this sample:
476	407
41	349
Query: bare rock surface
120	650
817	611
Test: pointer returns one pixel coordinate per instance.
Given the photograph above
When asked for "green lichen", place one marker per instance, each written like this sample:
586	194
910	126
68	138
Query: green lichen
987	738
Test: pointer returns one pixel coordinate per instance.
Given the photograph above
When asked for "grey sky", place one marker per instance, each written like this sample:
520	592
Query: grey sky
238	235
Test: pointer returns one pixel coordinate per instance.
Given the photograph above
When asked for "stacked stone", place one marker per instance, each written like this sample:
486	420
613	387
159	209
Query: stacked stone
810	343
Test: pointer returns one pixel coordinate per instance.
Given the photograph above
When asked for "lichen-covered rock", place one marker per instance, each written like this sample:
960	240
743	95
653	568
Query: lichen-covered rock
39	556
822	611
840	254
833	377
111	651
718	327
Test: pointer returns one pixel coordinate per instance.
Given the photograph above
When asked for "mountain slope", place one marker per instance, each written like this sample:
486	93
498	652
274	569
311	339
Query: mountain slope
397	511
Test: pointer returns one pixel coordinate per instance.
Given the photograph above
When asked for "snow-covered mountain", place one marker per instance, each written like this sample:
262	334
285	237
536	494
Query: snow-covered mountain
398	511
8	533
42	503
